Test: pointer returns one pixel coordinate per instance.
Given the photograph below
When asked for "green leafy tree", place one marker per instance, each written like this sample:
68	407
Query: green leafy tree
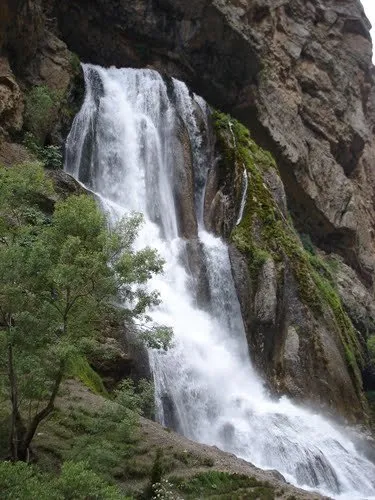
60	276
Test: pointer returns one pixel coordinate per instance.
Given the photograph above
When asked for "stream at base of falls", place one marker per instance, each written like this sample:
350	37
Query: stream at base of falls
128	145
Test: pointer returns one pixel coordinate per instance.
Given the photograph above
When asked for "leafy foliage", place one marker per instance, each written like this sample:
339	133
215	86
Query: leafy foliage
137	399
50	156
40	104
60	276
76	482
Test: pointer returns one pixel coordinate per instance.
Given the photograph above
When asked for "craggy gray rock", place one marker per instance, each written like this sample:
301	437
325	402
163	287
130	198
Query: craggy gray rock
360	306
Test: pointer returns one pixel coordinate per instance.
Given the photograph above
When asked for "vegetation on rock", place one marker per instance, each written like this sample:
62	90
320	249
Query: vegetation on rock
50	156
265	231
41	103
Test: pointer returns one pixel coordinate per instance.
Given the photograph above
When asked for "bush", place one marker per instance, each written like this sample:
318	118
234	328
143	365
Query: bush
76	482
23	482
50	156
140	399
215	484
40	104
106	439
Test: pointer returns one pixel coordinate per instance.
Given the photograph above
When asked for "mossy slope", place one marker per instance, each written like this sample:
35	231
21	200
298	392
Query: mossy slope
122	452
265	231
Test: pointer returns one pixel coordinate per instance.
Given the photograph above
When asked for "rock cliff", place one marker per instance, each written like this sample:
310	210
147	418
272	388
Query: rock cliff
298	74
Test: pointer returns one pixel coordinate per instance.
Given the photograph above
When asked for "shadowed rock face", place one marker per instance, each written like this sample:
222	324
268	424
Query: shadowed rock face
297	73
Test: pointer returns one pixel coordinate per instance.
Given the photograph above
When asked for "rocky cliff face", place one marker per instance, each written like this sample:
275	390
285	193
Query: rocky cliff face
32	56
298	74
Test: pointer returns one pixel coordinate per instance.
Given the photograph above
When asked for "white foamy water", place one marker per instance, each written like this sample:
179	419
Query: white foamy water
122	146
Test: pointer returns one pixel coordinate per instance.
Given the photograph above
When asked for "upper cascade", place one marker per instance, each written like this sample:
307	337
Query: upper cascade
142	143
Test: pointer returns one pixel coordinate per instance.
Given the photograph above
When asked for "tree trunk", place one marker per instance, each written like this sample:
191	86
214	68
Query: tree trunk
16	421
23	449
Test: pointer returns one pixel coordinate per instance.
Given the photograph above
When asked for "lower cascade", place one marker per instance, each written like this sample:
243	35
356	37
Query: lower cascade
130	145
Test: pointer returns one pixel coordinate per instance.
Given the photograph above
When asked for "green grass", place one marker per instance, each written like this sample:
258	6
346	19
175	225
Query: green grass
224	486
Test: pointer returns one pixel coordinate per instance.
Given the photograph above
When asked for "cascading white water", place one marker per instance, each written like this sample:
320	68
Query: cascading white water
123	147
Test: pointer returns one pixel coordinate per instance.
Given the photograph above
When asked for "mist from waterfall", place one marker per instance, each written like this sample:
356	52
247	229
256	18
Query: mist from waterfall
128	145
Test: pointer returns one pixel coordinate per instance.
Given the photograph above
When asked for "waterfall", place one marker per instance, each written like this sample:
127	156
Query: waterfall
245	185
130	144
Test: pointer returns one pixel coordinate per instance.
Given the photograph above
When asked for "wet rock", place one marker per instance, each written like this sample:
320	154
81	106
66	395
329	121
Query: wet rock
300	76
65	184
276	186
265	301
195	264
295	336
111	362
356	298
243	285
32	55
184	182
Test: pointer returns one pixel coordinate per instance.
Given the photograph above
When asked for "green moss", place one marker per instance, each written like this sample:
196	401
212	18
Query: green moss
106	439
81	369
265	232
307	243
75	63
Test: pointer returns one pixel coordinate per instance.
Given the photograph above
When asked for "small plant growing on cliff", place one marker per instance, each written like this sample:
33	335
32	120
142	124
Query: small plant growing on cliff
155	486
60	276
75	481
139	399
50	156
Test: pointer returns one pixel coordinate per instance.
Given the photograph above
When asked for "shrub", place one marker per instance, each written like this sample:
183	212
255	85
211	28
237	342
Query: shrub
40	103
50	156
78	482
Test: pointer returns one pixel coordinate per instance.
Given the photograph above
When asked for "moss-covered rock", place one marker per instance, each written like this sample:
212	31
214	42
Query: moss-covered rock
328	351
